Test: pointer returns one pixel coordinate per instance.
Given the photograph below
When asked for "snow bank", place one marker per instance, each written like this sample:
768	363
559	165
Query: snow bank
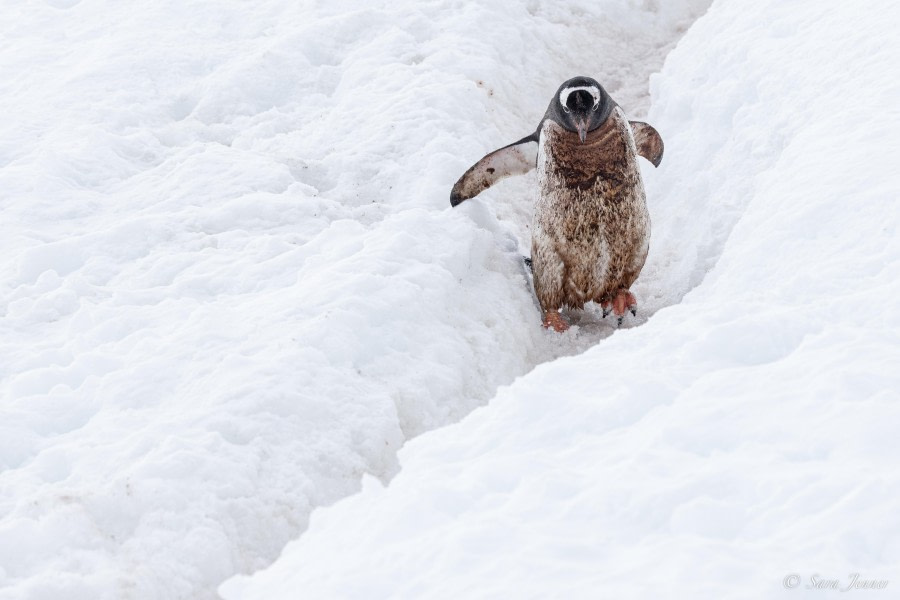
738	443
231	282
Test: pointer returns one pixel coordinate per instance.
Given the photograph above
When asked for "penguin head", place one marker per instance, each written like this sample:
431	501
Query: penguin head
581	105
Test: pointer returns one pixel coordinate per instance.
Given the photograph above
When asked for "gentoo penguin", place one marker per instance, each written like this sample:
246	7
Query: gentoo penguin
591	229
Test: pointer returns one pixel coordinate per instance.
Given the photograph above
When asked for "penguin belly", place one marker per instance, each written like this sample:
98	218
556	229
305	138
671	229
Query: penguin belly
591	228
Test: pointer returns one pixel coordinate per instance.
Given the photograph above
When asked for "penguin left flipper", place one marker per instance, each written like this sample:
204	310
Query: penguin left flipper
648	141
516	159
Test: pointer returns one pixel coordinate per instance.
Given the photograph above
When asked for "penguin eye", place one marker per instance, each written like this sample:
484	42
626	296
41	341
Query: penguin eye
565	108
596	105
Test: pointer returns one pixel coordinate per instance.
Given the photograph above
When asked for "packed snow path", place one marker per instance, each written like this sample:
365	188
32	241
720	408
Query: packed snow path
742	443
231	283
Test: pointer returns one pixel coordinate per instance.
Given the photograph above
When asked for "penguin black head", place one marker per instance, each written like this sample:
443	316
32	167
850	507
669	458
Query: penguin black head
581	105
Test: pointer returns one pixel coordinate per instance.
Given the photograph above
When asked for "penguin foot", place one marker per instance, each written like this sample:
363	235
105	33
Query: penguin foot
618	304
553	319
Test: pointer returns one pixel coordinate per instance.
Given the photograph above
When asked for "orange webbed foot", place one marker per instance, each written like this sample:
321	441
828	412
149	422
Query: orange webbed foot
618	304
553	319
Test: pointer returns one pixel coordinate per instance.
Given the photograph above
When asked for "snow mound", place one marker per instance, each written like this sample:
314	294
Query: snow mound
740	442
232	283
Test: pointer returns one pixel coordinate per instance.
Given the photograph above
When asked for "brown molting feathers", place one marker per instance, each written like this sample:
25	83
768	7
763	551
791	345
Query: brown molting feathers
591	228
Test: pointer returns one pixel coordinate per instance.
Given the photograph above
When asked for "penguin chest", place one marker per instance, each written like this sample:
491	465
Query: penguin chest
591	227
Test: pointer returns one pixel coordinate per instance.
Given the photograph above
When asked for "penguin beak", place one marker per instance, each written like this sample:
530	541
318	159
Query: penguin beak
582	127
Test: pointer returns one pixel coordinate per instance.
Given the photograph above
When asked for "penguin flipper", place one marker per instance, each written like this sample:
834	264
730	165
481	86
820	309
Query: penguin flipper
516	159
649	143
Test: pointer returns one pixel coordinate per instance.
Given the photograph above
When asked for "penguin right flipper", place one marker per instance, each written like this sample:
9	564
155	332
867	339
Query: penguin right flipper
516	159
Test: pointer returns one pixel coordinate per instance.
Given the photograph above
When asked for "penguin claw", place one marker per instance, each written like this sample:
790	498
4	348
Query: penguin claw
633	311
619	321
606	311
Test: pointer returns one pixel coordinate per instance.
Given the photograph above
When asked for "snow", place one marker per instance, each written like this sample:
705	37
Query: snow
741	442
231	282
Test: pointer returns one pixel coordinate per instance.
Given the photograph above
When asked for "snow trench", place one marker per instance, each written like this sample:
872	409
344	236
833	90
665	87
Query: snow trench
742	442
232	281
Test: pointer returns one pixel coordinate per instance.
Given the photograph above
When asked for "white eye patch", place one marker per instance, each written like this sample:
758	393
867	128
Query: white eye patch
590	89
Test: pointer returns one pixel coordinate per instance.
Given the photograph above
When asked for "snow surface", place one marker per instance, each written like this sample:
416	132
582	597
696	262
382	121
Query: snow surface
231	281
736	439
